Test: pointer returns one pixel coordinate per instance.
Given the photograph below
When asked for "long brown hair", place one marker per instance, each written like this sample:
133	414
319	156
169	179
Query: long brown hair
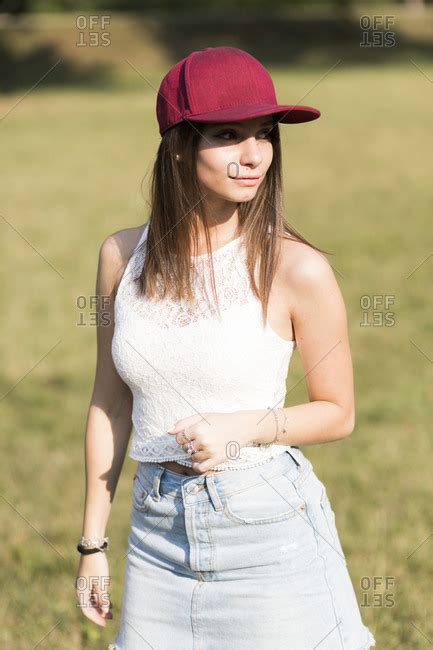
177	209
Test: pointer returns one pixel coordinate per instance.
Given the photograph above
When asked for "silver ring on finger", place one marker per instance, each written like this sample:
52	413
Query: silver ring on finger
190	448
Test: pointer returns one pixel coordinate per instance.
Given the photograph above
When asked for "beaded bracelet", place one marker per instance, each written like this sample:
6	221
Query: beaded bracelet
268	444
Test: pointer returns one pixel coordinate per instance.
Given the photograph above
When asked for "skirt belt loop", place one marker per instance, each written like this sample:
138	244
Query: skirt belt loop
213	493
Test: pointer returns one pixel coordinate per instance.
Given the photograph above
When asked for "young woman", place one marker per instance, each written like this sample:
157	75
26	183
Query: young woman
232	540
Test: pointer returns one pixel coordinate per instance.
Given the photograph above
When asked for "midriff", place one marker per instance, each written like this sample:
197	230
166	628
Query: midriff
188	471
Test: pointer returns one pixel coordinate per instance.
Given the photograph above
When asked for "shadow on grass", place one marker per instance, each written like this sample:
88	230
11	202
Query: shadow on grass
293	40
275	39
44	66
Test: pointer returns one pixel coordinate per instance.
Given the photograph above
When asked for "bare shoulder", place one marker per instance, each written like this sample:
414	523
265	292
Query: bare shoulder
300	263
114	253
306	273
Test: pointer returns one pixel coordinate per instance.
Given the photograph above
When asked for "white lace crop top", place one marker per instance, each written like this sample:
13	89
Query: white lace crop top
180	360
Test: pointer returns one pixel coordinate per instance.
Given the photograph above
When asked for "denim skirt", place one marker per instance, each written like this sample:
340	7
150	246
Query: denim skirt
241	559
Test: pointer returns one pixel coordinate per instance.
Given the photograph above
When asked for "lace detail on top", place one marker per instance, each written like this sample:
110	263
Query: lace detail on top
232	288
180	359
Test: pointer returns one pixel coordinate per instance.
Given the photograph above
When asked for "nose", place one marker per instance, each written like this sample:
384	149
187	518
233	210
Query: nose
250	152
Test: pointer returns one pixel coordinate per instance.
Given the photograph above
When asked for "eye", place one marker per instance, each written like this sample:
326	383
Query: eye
223	133
266	132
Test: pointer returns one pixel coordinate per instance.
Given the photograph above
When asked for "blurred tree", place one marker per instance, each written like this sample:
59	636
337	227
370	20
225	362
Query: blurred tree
341	7
13	7
416	5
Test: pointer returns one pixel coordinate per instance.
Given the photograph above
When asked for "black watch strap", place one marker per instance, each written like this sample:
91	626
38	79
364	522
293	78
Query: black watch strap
88	551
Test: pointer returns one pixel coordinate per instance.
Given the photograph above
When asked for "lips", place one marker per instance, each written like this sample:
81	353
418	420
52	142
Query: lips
245	178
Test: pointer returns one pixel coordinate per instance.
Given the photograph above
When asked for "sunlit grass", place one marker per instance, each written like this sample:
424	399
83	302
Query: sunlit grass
358	183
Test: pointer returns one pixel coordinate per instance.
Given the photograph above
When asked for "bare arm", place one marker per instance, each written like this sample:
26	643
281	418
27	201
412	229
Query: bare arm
109	423
320	323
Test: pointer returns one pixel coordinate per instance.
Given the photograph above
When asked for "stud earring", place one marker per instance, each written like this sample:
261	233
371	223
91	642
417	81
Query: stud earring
177	157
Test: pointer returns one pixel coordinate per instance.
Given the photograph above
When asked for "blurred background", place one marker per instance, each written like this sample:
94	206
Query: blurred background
78	84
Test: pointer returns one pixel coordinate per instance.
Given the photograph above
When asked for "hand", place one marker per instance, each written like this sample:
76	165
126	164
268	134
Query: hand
91	585
215	438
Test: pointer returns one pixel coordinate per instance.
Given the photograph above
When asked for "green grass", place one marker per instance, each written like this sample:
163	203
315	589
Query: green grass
358	183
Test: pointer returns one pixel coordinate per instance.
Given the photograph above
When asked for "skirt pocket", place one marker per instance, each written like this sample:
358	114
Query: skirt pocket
141	494
269	501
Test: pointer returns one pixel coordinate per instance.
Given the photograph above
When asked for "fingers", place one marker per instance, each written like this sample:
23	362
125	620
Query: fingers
102	604
184	436
189	444
202	466
96	608
96	617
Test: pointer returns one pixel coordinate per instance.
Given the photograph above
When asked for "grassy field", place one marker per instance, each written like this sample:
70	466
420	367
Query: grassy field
357	183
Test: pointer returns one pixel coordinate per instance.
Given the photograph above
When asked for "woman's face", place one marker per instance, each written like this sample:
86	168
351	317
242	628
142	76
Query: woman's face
227	152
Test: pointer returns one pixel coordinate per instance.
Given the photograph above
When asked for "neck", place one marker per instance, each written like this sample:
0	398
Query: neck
222	228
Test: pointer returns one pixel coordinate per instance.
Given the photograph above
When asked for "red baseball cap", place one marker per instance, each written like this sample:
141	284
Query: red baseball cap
222	84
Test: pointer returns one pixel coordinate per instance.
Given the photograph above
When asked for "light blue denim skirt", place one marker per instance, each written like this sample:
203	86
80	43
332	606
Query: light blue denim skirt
244	559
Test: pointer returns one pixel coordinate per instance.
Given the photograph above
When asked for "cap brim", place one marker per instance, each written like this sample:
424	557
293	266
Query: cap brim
290	114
